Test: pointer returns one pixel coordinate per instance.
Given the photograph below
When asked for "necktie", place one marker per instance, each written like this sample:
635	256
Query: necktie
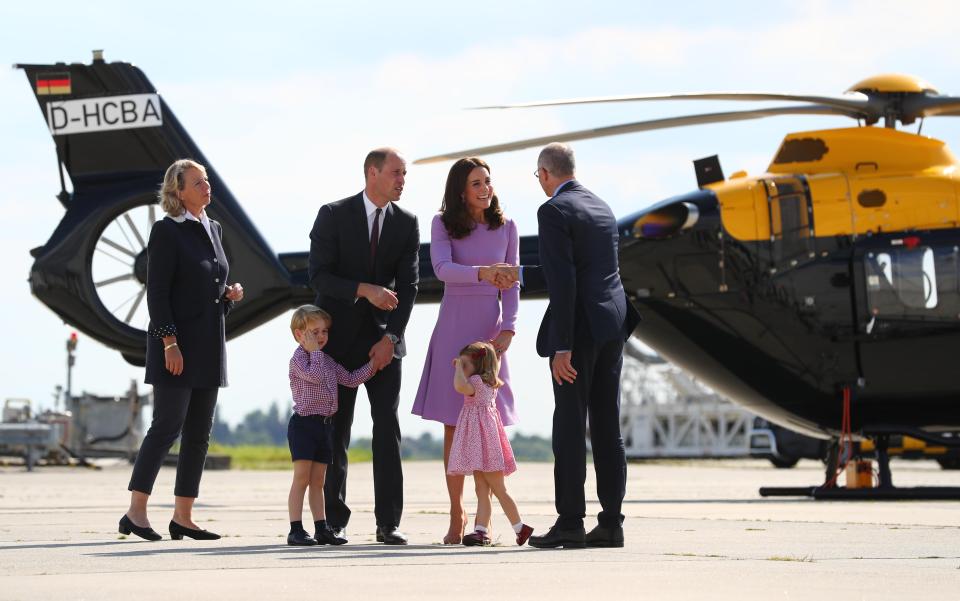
375	238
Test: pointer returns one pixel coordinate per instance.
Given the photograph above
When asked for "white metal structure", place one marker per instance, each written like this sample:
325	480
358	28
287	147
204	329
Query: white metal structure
666	413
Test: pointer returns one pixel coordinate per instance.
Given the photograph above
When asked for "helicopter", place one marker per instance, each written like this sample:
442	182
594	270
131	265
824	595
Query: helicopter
821	295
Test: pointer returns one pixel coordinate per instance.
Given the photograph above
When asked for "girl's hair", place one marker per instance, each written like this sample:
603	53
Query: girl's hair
453	210
173	182
486	364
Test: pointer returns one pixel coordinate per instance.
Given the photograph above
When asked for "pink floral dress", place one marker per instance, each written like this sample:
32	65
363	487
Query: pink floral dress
480	443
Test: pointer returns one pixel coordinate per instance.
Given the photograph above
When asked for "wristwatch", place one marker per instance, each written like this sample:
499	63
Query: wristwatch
393	338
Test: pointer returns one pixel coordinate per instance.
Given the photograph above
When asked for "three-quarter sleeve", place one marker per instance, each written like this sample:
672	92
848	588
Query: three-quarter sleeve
161	268
441	255
510	298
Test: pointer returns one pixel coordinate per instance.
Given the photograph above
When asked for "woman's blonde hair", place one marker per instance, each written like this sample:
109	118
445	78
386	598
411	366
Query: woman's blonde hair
173	183
486	364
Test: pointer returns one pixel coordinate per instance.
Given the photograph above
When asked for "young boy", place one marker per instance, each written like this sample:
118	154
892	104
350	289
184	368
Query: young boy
313	381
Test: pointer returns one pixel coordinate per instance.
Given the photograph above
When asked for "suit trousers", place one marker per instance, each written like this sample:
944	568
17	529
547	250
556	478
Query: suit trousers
383	390
595	394
183	412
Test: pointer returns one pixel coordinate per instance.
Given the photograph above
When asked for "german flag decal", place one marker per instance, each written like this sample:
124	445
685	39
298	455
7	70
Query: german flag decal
49	84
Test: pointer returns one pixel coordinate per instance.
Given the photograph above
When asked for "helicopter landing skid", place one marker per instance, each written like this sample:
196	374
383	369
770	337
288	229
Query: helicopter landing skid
893	493
884	491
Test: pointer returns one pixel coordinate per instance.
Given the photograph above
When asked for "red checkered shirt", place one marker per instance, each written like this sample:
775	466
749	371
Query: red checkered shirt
314	378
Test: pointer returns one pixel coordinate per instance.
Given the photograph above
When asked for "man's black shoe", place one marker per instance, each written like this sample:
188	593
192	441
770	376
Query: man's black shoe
300	539
327	536
389	535
601	536
338	531
569	538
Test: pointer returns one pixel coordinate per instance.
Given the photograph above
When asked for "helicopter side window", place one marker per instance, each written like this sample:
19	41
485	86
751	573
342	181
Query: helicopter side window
913	283
790	217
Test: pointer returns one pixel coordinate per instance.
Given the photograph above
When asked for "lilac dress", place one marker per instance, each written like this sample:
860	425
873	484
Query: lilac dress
470	311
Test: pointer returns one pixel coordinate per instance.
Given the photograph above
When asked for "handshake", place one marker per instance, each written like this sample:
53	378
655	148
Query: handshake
501	275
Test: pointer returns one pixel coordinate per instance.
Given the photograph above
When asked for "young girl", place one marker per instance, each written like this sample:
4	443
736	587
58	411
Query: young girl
480	446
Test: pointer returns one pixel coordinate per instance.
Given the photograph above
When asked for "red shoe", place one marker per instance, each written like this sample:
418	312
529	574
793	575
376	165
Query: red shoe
477	539
524	534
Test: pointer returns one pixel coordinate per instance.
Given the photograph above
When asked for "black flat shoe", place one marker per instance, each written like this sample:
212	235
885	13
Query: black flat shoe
300	539
601	536
391	536
127	527
571	538
177	532
327	536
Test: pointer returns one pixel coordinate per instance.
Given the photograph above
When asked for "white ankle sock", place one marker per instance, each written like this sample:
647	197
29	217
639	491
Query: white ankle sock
517	527
480	529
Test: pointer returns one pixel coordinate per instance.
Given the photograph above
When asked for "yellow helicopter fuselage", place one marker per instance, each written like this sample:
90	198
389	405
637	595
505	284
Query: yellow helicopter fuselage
862	180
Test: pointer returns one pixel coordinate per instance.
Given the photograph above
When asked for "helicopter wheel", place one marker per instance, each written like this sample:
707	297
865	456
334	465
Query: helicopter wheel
784	462
119	265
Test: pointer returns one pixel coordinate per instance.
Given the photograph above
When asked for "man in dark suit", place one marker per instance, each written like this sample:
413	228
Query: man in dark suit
364	269
582	333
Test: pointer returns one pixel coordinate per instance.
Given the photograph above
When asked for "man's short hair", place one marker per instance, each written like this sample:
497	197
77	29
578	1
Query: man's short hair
376	158
306	313
557	158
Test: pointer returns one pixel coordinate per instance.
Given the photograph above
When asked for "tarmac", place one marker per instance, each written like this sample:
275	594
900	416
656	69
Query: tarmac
694	530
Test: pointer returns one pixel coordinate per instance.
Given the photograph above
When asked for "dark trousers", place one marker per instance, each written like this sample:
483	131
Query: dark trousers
183	412
594	393
383	391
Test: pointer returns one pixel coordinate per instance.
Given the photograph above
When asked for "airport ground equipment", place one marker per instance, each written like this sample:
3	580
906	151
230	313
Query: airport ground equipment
23	436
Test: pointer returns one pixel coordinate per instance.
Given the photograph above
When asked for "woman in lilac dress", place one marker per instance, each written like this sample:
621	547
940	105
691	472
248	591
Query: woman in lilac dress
469	234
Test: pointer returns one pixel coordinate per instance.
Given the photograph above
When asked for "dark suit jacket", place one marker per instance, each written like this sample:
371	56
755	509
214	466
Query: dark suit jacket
340	260
186	281
579	240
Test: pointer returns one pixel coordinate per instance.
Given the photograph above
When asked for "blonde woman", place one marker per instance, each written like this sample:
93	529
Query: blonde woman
188	299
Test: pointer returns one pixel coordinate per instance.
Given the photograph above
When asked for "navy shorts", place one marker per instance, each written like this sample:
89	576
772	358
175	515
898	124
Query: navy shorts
311	437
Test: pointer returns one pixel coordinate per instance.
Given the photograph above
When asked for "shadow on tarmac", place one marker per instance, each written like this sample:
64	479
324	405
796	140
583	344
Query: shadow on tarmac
377	551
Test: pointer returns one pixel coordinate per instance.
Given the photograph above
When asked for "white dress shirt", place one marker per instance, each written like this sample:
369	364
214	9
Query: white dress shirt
371	210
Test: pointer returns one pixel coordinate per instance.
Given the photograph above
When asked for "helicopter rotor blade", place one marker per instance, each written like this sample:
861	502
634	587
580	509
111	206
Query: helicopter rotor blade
855	101
931	106
626	128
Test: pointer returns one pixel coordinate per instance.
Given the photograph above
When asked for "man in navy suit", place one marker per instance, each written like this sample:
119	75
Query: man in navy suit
582	333
364	268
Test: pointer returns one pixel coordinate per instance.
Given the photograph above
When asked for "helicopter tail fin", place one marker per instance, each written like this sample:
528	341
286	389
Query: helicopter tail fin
115	136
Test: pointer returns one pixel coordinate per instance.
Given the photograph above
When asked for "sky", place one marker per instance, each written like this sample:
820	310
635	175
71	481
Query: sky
285	100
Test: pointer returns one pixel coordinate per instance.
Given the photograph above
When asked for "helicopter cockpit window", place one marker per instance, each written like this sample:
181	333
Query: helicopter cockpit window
913	283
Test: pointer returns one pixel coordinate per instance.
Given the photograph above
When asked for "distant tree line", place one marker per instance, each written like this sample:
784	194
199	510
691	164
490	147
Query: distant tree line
269	428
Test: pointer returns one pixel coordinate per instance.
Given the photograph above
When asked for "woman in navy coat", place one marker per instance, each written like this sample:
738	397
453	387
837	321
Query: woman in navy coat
188	299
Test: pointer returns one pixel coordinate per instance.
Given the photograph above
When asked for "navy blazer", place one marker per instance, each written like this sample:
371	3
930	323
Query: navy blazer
340	261
579	242
186	282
